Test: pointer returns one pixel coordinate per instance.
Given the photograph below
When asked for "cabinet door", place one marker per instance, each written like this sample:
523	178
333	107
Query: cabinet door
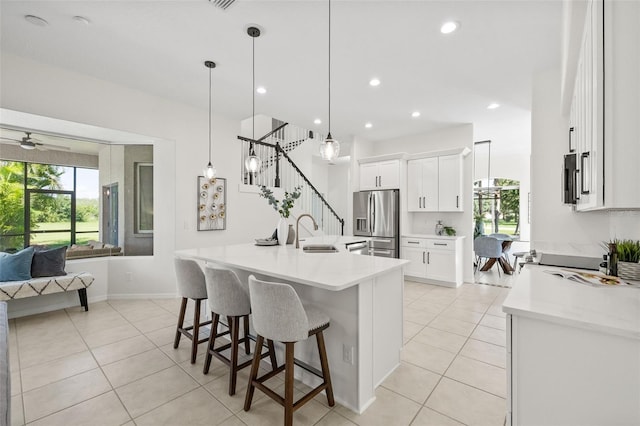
368	176
414	185
389	174
417	258
430	184
441	265
450	183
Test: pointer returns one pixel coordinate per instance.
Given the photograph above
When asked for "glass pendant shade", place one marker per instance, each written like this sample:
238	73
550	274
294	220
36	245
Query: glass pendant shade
330	148
209	171
252	163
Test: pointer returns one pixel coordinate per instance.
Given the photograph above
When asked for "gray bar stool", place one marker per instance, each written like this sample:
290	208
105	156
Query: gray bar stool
191	285
229	298
278	314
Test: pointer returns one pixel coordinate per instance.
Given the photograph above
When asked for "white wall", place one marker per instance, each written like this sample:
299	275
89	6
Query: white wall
179	158
556	227
424	223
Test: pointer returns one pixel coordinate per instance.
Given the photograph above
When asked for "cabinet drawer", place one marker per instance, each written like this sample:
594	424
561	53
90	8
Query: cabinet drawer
440	244
412	242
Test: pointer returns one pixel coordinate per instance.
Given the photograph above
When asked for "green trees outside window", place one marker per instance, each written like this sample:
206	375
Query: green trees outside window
38	205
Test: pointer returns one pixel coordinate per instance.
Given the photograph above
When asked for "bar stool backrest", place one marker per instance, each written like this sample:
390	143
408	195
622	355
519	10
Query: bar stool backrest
190	279
227	295
277	311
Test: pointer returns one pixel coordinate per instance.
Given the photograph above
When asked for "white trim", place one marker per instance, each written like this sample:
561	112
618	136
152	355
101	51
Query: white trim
395	156
464	151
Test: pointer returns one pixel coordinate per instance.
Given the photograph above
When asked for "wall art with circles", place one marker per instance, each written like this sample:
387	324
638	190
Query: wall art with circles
212	203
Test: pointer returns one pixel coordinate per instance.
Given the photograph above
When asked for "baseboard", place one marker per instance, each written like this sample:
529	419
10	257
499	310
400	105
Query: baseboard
433	282
125	296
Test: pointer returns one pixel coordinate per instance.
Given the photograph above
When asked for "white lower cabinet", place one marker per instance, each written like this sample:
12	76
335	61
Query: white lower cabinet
436	260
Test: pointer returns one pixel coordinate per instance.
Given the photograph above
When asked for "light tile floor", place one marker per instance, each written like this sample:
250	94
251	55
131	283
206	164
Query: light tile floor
115	365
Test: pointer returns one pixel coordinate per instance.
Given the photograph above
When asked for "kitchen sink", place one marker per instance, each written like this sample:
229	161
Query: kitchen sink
319	248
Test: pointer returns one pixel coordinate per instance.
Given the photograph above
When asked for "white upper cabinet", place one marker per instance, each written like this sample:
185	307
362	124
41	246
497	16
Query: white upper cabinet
605	107
422	185
434	184
380	175
450	183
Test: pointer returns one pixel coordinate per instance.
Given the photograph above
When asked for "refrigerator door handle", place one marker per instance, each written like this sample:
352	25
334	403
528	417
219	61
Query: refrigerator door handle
369	213
373	214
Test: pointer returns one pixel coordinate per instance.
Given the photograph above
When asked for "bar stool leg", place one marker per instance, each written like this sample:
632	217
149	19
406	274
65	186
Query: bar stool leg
247	347
324	363
235	325
288	384
183	308
254	373
212	342
196	332
272	354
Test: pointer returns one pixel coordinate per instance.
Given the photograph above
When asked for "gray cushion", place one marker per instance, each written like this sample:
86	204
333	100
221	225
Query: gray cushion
49	263
17	266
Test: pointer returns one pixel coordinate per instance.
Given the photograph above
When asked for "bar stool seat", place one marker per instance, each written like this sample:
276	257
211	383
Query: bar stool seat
191	285
229	298
278	314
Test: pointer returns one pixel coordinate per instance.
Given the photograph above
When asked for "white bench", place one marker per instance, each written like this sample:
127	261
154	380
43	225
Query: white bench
10	290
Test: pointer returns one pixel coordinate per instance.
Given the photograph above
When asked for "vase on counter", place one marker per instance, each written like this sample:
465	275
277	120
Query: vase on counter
292	235
439	228
283	231
629	270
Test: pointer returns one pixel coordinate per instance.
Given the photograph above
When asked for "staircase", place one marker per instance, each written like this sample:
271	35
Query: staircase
280	171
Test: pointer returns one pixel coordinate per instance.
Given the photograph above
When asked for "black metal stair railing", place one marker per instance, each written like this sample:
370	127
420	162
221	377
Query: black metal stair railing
280	171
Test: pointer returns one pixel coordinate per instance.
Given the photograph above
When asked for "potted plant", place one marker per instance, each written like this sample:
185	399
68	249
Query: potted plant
628	258
283	207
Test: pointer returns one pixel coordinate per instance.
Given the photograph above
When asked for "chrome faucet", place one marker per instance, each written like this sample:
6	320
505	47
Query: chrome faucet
315	227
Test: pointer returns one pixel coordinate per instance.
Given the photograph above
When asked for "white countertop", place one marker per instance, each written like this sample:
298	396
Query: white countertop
540	295
434	236
330	271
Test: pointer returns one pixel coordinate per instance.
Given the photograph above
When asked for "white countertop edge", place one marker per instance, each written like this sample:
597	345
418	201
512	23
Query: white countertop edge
434	236
556	319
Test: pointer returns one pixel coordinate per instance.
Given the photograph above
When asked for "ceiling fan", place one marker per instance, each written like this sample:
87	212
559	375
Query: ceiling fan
29	143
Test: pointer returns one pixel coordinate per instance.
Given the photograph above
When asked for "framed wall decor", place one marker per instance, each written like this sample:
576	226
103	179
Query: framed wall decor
212	204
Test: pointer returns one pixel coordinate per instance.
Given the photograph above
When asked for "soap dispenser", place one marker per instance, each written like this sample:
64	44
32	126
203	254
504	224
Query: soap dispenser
439	228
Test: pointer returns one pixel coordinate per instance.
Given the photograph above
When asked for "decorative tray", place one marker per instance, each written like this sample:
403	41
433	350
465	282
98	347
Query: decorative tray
266	242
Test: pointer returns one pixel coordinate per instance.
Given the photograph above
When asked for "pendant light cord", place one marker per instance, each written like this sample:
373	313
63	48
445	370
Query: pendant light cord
209	115
329	66
253	88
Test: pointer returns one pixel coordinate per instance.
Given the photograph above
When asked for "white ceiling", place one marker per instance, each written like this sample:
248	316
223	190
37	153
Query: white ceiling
159	47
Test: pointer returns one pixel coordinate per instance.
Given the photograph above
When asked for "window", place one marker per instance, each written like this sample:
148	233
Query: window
48	205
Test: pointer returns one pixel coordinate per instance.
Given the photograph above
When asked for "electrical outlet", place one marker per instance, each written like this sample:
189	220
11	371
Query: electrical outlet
347	354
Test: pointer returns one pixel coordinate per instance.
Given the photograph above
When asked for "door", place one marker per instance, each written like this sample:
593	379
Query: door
389	174
450	183
368	176
384	213
430	184
361	212
441	265
417	266
110	214
414	185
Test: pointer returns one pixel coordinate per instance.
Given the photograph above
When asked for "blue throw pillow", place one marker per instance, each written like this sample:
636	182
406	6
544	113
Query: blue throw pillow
16	267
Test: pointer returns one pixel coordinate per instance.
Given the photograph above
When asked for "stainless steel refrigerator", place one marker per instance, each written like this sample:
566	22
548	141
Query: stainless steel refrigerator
376	215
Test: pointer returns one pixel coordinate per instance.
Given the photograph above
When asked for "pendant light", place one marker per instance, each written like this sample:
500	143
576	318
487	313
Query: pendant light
330	148
253	162
210	171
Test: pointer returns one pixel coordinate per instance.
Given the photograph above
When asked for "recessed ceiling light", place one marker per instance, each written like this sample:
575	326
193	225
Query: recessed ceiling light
449	27
415	114
317	121
374	82
261	90
81	20
493	106
36	20
368	125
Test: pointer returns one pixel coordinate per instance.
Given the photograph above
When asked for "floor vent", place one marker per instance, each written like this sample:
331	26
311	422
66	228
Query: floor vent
222	4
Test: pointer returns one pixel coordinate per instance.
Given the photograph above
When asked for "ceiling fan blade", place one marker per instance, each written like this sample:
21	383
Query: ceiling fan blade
48	147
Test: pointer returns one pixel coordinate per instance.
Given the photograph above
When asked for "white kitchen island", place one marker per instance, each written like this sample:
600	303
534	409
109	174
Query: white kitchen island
573	352
361	294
